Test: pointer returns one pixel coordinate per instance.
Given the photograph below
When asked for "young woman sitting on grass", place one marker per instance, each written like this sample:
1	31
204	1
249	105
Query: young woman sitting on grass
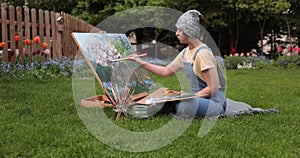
200	67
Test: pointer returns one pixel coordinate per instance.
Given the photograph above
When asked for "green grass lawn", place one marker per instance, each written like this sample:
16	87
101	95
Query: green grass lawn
39	119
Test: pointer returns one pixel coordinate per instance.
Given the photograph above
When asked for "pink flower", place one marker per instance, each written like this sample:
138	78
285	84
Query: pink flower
47	51
295	49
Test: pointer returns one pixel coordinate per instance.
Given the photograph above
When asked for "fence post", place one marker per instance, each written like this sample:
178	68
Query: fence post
27	30
12	42
33	30
41	33
47	29
60	29
54	35
66	36
20	33
4	32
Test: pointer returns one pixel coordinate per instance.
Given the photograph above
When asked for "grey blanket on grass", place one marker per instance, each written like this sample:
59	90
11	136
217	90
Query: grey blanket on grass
235	108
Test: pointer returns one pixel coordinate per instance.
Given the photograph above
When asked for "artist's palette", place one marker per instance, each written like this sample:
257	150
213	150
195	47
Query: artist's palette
162	95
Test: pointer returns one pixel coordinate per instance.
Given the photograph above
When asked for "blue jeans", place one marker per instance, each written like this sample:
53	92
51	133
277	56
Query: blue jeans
200	107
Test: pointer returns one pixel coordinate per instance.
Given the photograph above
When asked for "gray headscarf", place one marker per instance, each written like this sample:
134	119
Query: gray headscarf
189	23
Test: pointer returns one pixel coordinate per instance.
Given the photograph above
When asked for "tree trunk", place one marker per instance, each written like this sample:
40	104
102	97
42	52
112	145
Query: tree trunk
261	28
236	32
232	41
219	38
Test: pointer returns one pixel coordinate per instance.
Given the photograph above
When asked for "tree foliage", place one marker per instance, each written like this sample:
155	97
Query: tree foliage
51	5
225	19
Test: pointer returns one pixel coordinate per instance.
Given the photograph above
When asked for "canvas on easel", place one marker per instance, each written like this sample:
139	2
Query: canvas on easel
99	50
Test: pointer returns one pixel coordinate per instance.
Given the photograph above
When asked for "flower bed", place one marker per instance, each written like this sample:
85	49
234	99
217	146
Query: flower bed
62	68
237	62
53	68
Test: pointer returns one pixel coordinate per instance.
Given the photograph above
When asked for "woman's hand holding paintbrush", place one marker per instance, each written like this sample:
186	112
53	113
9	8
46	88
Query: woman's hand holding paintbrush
137	58
133	57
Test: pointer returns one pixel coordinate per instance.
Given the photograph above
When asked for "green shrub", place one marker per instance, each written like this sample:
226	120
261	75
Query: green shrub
237	62
288	62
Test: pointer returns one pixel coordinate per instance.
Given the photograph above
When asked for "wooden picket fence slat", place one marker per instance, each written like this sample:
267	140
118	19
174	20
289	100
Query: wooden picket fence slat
4	31
30	23
20	32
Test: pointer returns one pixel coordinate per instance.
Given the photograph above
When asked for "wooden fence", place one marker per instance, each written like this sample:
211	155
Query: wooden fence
19	24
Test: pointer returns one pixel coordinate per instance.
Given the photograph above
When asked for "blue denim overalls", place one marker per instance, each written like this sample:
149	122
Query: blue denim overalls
212	106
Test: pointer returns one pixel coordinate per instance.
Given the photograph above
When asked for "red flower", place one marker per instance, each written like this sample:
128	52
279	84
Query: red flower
3	44
233	50
27	42
36	40
17	38
45	45
11	53
279	49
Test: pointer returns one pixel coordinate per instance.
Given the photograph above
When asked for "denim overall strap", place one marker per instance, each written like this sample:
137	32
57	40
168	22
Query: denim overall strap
196	83
203	47
219	96
213	105
220	74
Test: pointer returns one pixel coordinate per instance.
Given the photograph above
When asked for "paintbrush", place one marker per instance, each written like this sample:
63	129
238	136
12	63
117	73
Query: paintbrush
126	58
123	98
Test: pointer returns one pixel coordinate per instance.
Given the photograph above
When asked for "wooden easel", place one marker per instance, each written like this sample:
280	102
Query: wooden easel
95	74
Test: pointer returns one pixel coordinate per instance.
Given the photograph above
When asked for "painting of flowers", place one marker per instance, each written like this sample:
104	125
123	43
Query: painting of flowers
100	49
